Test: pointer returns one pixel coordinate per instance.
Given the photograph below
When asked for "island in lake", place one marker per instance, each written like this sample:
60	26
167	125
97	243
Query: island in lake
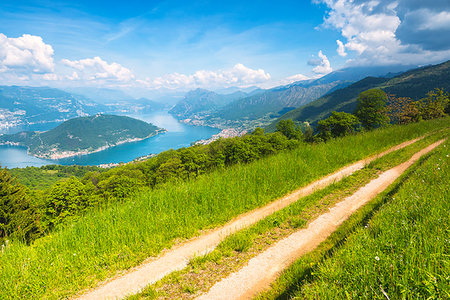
82	135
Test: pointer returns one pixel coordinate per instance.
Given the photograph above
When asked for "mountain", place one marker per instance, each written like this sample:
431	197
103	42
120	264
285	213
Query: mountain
354	74
414	84
203	102
276	101
82	135
20	105
247	111
118	101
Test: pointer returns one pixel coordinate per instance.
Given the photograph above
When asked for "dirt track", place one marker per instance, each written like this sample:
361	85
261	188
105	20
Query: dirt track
178	257
266	267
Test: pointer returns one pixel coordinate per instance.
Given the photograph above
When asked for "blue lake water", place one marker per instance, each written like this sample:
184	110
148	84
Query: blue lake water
178	135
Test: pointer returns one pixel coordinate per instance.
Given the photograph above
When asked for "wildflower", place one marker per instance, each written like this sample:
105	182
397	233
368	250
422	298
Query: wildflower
377	258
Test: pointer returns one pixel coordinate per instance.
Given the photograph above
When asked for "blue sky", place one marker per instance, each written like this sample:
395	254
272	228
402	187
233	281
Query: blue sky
211	44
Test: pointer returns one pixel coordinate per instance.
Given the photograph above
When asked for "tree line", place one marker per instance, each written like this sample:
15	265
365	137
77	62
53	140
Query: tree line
376	109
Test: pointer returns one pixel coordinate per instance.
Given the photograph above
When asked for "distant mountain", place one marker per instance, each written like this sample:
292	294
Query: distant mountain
233	89
82	135
414	83
276	101
21	105
100	95
118	101
354	74
247	108
203	102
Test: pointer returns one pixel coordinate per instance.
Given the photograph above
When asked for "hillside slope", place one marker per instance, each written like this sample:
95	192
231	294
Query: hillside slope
202	101
414	83
28	105
82	136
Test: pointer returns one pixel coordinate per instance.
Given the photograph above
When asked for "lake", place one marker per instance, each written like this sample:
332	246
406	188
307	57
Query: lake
178	135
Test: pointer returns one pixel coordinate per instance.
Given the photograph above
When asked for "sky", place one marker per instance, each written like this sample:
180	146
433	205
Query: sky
180	45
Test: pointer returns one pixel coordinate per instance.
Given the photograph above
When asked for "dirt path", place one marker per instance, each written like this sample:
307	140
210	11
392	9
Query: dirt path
178	257
266	267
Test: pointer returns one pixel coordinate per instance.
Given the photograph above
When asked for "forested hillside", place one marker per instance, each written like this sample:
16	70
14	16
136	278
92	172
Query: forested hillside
84	134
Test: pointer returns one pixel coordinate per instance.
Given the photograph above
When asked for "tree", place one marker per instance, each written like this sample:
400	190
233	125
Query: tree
289	130
17	218
338	124
309	133
371	109
403	110
65	199
434	105
258	131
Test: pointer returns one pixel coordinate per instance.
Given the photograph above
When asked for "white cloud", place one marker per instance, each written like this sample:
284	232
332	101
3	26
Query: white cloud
239	75
97	69
322	64
341	49
390	31
25	54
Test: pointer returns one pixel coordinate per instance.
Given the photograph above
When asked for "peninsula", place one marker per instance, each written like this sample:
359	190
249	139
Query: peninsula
83	135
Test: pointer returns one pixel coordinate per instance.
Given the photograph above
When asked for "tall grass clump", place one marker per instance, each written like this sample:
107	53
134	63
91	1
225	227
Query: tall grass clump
403	252
78	255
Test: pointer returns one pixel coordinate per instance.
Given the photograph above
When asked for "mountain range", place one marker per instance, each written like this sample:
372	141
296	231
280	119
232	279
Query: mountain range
260	107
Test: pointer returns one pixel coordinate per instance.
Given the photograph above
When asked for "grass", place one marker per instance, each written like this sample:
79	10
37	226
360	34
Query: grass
102	243
237	249
396	246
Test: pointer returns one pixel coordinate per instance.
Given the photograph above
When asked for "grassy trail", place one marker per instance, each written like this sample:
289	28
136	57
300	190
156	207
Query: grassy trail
236	250
397	246
179	257
103	243
244	283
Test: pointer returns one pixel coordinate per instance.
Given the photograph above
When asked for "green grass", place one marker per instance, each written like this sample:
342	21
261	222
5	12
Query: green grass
397	244
103	242
231	253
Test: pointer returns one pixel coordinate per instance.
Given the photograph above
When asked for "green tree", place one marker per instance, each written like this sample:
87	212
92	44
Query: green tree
258	131
338	124
288	129
17	218
66	198
371	109
434	105
309	133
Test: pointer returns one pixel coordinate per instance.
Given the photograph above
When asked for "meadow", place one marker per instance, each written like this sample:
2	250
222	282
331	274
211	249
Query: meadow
395	247
104	241
236	250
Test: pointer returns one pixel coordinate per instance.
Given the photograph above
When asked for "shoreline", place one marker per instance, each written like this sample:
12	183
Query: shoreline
68	154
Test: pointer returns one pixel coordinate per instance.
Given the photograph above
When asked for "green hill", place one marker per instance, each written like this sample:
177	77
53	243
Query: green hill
82	136
414	83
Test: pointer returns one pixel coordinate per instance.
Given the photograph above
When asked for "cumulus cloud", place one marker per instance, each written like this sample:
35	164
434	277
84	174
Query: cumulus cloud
25	54
97	69
321	65
341	49
391	31
239	75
